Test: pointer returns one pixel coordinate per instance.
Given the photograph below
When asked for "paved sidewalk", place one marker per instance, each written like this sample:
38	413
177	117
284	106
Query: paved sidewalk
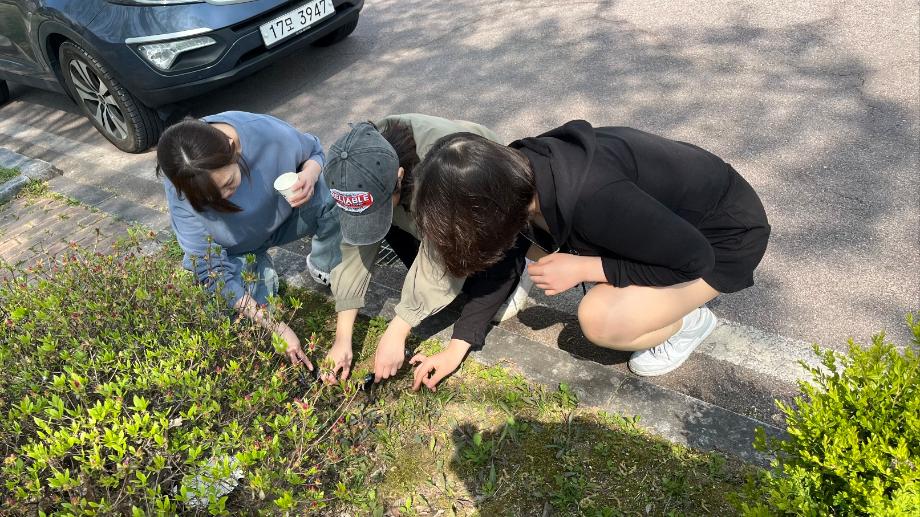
32	228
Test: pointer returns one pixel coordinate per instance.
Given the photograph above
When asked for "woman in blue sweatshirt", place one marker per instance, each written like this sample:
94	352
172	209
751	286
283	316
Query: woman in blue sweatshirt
220	174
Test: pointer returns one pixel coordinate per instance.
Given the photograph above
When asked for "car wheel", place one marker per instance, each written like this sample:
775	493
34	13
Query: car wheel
337	35
4	93
117	114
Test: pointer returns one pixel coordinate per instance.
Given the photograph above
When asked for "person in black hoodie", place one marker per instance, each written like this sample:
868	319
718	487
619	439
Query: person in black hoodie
660	227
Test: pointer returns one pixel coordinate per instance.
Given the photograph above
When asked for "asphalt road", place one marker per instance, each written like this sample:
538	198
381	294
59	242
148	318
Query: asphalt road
816	103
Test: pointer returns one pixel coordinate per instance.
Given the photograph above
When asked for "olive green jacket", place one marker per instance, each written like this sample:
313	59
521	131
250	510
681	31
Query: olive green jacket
427	288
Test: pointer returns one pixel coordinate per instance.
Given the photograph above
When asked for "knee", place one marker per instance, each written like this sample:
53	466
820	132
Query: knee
606	327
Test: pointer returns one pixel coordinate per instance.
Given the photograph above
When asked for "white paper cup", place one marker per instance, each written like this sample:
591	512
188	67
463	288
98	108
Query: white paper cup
284	183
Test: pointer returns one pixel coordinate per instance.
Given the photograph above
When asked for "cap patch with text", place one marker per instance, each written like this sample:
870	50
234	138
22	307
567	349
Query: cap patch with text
354	201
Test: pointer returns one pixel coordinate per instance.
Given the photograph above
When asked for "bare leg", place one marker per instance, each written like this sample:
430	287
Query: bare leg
636	318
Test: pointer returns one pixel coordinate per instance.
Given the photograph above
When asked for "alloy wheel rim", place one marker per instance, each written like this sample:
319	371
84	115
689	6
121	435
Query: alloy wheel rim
98	99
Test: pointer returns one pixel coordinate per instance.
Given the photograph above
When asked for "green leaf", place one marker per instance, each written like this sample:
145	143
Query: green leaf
140	403
285	501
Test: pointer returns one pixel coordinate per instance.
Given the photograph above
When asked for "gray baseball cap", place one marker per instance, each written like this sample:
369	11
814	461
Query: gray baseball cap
361	175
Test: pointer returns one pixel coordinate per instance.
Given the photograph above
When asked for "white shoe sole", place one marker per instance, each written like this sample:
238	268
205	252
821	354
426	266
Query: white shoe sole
318	276
671	367
517	301
510	310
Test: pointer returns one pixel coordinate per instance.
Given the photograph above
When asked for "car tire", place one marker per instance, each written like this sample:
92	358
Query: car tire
118	115
4	93
337	35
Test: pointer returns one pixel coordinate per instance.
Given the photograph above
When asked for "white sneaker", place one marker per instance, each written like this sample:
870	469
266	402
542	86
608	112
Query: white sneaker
518	299
672	353
320	277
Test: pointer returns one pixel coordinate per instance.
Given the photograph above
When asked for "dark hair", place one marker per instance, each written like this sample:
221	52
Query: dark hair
188	152
472	197
401	137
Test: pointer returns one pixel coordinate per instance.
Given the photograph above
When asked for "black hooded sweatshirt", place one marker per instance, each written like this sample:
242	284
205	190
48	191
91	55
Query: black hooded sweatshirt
635	199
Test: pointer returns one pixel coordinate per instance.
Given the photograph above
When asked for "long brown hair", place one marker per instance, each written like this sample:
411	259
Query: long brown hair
400	136
472	198
188	152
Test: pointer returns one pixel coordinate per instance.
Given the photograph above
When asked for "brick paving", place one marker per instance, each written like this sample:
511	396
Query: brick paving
33	228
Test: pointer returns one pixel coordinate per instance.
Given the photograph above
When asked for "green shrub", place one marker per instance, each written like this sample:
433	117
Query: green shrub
854	438
126	389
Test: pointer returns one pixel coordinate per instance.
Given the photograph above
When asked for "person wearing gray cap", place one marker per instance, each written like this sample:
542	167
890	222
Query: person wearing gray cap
369	174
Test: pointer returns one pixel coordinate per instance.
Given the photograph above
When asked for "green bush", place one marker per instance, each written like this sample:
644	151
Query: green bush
126	389
854	438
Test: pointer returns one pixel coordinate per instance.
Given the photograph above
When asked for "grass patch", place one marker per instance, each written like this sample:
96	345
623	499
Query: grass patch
7	174
488	442
38	190
35	191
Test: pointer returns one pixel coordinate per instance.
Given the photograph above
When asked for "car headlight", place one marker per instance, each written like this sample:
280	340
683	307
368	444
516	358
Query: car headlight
163	55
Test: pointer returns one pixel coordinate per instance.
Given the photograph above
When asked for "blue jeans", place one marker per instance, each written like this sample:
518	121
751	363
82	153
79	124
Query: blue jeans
317	218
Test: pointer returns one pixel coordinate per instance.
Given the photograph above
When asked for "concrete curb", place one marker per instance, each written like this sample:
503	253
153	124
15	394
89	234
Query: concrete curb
761	352
10	188
29	169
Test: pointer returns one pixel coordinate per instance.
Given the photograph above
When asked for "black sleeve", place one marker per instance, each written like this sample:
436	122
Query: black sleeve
404	244
487	291
650	244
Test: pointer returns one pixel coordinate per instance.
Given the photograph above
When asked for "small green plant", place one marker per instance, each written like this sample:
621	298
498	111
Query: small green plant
35	188
569	489
567	399
479	451
854	438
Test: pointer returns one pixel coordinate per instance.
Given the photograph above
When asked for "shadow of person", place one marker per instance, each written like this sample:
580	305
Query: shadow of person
586	466
540	318
573	341
441	320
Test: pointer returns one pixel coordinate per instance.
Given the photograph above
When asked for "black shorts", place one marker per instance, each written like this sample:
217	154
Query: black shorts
738	232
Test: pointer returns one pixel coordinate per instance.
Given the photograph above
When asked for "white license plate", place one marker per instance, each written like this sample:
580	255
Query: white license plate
296	21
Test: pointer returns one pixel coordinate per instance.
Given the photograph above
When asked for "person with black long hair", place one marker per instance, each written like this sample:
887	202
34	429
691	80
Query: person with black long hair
659	227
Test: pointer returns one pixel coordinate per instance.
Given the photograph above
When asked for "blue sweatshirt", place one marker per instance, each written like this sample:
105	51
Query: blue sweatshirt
270	148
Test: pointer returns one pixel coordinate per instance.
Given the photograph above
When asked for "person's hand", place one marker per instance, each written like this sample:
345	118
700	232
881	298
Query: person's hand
391	352
306	180
441	364
293	350
560	272
340	356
